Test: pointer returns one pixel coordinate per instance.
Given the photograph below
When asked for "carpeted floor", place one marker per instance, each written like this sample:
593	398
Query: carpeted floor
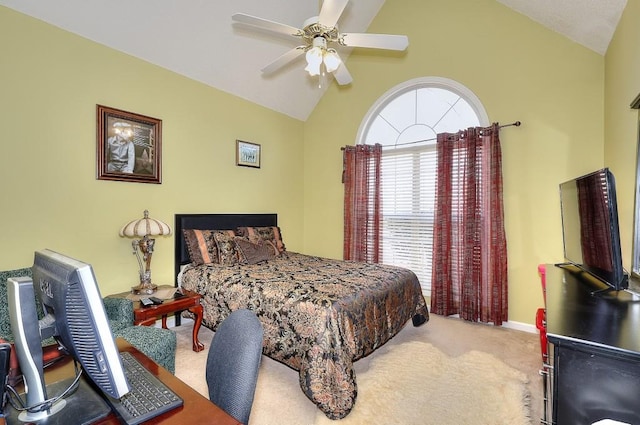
513	355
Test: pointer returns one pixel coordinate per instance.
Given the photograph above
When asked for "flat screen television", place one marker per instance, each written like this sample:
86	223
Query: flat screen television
74	315
590	227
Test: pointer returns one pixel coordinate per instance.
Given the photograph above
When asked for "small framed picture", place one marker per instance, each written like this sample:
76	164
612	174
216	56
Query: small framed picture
129	146
247	154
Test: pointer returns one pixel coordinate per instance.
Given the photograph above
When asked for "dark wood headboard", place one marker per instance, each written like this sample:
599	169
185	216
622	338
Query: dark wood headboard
212	222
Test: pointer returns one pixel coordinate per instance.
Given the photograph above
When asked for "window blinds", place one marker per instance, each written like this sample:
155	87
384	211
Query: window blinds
408	195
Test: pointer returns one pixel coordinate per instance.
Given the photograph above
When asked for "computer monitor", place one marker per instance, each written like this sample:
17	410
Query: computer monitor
75	317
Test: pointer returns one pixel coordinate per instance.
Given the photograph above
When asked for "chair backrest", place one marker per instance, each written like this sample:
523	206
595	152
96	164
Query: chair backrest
233	362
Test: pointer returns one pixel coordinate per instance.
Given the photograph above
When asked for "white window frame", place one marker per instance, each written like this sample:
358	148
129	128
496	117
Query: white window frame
415	84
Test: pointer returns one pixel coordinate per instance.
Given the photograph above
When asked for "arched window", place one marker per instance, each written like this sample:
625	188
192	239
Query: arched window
405	121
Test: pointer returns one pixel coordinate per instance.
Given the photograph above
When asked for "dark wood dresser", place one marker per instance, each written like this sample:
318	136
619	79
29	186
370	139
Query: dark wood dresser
594	343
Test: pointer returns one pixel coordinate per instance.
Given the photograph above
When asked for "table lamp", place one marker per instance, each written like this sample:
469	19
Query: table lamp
143	228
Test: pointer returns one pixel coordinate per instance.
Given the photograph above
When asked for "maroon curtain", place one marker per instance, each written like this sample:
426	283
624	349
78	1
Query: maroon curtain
362	212
469	270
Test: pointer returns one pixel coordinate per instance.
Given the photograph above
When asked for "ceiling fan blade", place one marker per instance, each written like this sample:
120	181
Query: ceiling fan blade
376	41
342	75
266	24
331	11
290	56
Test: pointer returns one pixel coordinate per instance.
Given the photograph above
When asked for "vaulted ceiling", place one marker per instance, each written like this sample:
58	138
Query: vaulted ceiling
196	38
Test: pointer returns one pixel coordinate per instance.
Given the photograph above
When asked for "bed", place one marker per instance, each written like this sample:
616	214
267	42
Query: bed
319	315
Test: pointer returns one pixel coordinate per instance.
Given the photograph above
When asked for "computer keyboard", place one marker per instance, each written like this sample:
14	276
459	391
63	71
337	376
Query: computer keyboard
148	398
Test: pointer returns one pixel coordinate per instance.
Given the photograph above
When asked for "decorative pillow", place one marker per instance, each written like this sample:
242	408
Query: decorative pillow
270	233
254	253
227	253
201	246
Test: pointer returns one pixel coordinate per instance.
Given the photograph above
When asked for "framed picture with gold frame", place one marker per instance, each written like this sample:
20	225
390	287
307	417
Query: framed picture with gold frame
129	146
247	154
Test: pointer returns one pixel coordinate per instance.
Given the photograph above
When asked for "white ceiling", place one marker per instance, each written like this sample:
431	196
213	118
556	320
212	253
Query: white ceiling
587	22
196	38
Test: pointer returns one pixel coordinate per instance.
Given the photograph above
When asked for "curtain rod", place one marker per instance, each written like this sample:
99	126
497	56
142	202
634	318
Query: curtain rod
513	124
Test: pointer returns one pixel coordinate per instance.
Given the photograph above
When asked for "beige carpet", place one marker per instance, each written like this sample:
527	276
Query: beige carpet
468	386
415	383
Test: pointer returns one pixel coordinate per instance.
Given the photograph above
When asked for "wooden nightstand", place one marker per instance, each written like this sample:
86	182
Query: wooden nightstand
147	316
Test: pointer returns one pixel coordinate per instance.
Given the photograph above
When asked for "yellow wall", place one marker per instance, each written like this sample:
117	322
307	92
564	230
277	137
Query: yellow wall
50	83
622	85
520	71
51	80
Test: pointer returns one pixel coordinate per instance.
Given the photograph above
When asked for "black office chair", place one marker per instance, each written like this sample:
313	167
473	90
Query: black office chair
233	362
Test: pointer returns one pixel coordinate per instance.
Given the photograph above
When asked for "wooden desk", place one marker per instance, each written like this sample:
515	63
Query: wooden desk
196	409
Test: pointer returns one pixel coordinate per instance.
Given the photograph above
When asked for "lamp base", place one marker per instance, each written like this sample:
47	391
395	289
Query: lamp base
144	289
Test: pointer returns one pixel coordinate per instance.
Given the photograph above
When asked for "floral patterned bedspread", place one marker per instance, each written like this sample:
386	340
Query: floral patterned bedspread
319	315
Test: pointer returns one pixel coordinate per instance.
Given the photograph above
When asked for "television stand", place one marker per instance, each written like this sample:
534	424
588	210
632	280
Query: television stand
594	350
602	291
594	279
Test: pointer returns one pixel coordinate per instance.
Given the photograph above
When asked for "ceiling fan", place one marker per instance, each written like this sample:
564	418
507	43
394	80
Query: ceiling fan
319	34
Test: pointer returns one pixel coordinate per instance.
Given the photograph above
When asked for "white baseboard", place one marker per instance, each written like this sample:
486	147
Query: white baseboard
519	326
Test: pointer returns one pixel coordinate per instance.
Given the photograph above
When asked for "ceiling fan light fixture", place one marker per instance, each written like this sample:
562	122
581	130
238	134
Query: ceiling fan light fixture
317	33
318	55
331	60
314	60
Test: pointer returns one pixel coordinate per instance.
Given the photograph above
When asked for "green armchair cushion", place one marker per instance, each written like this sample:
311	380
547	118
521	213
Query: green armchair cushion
5	321
119	311
5	324
156	343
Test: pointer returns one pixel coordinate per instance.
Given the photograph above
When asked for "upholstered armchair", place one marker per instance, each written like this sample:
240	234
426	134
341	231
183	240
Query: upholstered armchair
156	343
